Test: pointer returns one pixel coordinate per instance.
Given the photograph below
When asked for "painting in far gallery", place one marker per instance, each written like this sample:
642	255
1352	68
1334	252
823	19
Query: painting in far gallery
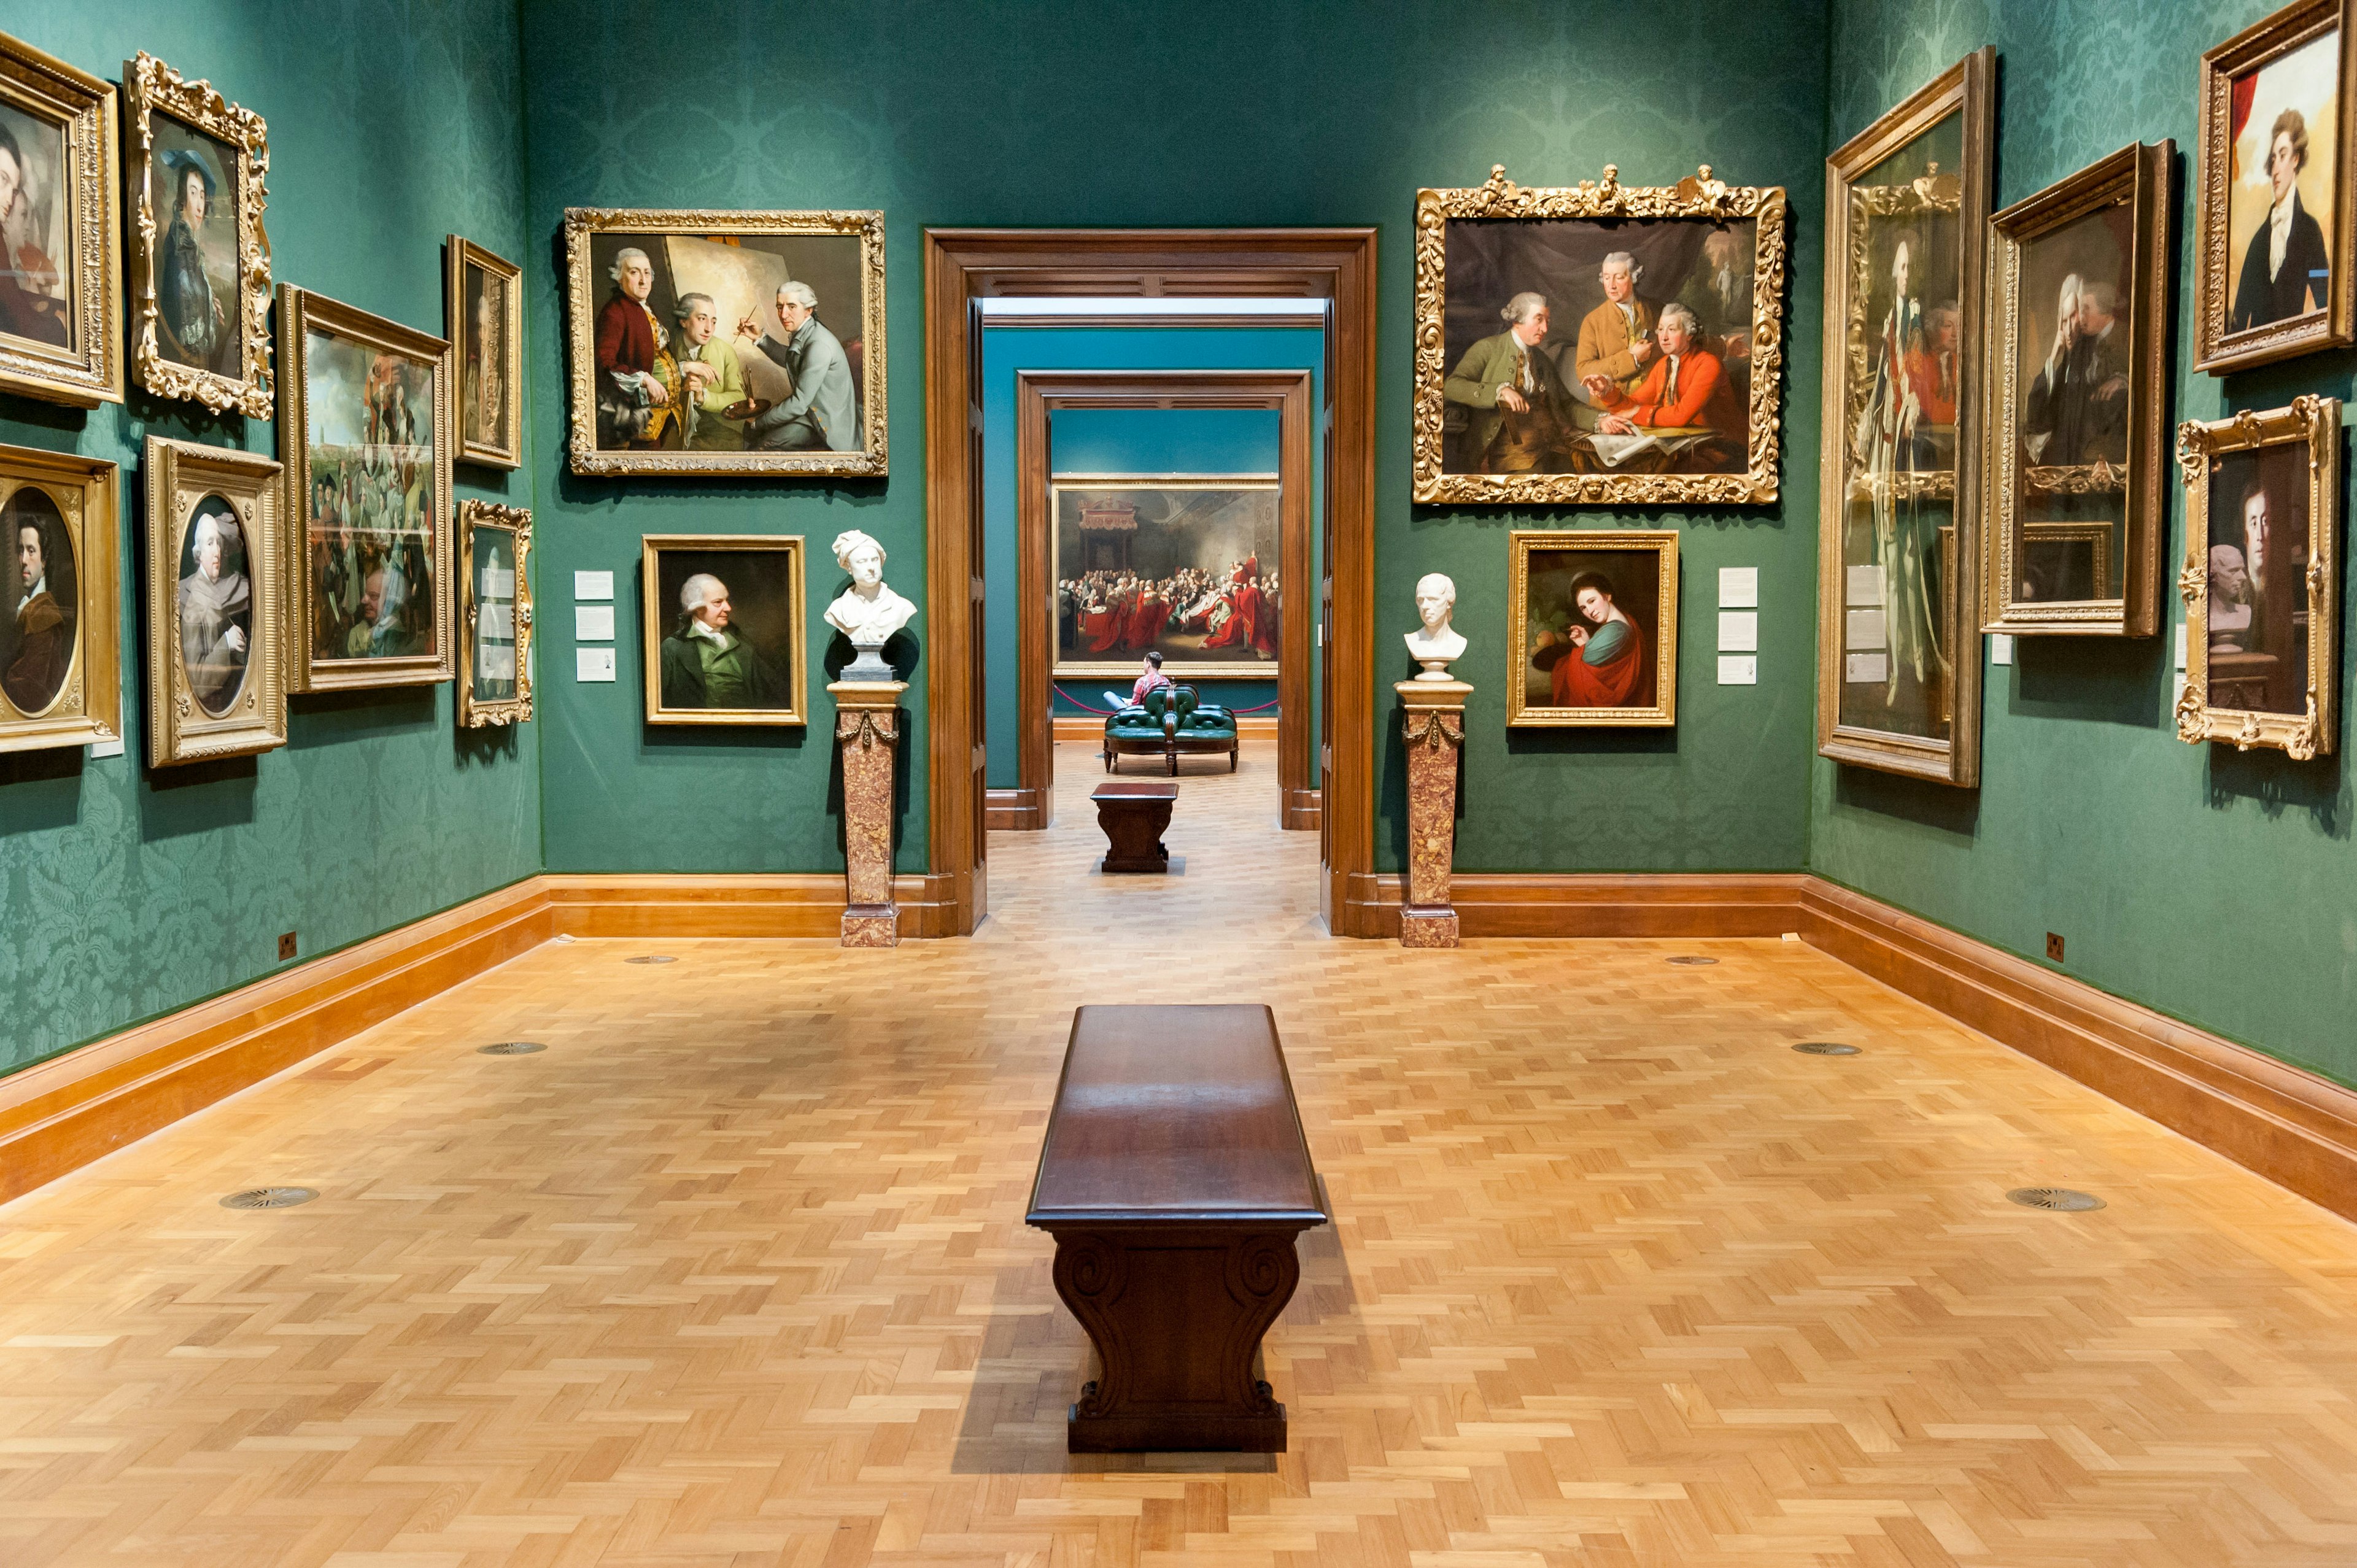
2276	217
365	438
215	629
484	319
1594	629
199	262
59	679
60	304
1186	568
2262	503
726	342
1598	343
1898	605
724	637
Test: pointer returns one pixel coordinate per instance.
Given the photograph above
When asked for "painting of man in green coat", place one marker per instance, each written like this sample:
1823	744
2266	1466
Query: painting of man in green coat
706	663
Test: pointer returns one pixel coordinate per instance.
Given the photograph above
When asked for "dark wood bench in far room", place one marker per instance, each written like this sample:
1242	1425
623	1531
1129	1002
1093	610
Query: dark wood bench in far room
1135	813
1175	1176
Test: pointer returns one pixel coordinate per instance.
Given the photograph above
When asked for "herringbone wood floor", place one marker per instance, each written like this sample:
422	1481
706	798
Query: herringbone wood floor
735	1273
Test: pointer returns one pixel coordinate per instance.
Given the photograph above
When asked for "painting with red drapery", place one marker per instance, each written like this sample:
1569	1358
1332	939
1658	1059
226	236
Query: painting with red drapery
1182	567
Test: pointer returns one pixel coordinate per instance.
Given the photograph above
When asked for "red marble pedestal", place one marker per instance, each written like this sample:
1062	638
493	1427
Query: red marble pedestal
1435	732
867	728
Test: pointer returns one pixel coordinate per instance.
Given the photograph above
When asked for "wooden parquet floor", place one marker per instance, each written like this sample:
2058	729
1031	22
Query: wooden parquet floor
735	1273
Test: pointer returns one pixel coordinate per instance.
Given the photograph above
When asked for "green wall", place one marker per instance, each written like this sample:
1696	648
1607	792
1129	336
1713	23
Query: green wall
1327	112
126	893
2218	887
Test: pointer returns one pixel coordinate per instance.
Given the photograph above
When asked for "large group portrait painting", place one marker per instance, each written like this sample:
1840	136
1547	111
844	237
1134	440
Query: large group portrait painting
1582	346
373	523
1187	570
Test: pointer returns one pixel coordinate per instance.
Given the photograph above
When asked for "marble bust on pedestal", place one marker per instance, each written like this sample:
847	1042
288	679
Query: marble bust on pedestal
867	612
1435	644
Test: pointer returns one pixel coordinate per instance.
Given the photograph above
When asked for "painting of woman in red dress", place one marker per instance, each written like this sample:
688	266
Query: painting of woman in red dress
1597	627
1599	660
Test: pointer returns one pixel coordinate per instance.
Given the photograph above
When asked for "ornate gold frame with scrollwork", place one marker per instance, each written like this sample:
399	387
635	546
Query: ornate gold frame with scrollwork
1521	713
2215	349
1963	89
581	314
151	88
1700	197
301	312
88	370
657	615
516	522
458	254
2314	423
89	706
180	475
2138	176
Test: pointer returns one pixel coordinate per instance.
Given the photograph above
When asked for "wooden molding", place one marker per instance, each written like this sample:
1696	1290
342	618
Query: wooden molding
1601	904
1018	810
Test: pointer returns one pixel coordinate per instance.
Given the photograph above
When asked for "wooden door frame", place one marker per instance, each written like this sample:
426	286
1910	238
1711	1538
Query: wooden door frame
964	267
1038	395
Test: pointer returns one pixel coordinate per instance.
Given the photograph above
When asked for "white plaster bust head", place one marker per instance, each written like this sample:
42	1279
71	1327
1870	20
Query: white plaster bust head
1436	642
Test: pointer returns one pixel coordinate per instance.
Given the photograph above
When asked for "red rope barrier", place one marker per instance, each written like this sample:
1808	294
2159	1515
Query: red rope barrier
1089	707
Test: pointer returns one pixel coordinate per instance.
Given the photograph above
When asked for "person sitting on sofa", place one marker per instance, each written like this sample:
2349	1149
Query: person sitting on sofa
1152	678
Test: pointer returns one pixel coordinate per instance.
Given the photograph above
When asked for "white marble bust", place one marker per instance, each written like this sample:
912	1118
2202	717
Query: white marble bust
1434	643
866	612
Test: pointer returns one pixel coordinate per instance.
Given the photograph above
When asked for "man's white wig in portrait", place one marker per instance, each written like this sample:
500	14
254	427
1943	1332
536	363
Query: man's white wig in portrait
1673	311
1625	262
799	292
623	258
699	591
849	541
1522	307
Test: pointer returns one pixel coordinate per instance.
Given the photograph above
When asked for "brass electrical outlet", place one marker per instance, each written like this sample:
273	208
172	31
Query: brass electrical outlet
286	945
2054	947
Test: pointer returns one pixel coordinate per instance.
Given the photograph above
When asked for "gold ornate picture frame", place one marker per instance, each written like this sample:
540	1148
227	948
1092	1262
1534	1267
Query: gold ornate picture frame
2263	291
61	297
1899	554
364	433
2078	393
216	603
199	273
761	394
748	663
1593	628
60	672
483	318
494	614
1597	396
2261	580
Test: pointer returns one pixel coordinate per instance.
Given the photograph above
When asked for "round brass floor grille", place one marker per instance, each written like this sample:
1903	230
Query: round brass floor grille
2056	1199
1825	1048
510	1049
652	958
1694	960
269	1198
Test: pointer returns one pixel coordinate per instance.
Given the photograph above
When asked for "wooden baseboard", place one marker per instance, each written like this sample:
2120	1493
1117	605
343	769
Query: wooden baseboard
669	905
1599	904
1089	727
1016	810
1302	811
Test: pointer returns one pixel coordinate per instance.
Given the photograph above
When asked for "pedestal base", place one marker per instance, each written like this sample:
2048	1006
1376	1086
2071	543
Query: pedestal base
1427	928
871	926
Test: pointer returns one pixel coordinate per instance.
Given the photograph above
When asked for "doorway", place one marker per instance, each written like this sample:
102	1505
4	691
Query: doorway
1333	266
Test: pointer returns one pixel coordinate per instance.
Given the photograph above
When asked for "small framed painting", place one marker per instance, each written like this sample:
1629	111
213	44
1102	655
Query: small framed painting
365	436
216	631
2261	583
199	260
494	614
62	291
60	677
483	314
1595	629
724	629
2275	217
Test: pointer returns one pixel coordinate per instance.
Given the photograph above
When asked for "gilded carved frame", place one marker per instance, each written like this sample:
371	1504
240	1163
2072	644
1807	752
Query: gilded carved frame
1521	713
460	254
88	370
2314	423
659	615
87	706
179	474
2215	349
2139	177
301	312
1700	197
871	461
1965	89
151	88
475	713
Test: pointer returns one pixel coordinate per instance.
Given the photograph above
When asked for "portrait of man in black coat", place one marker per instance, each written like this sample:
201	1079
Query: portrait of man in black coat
2285	272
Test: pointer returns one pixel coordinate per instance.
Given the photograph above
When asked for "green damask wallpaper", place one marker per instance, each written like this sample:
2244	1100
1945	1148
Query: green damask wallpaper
2218	887
1218	112
126	893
